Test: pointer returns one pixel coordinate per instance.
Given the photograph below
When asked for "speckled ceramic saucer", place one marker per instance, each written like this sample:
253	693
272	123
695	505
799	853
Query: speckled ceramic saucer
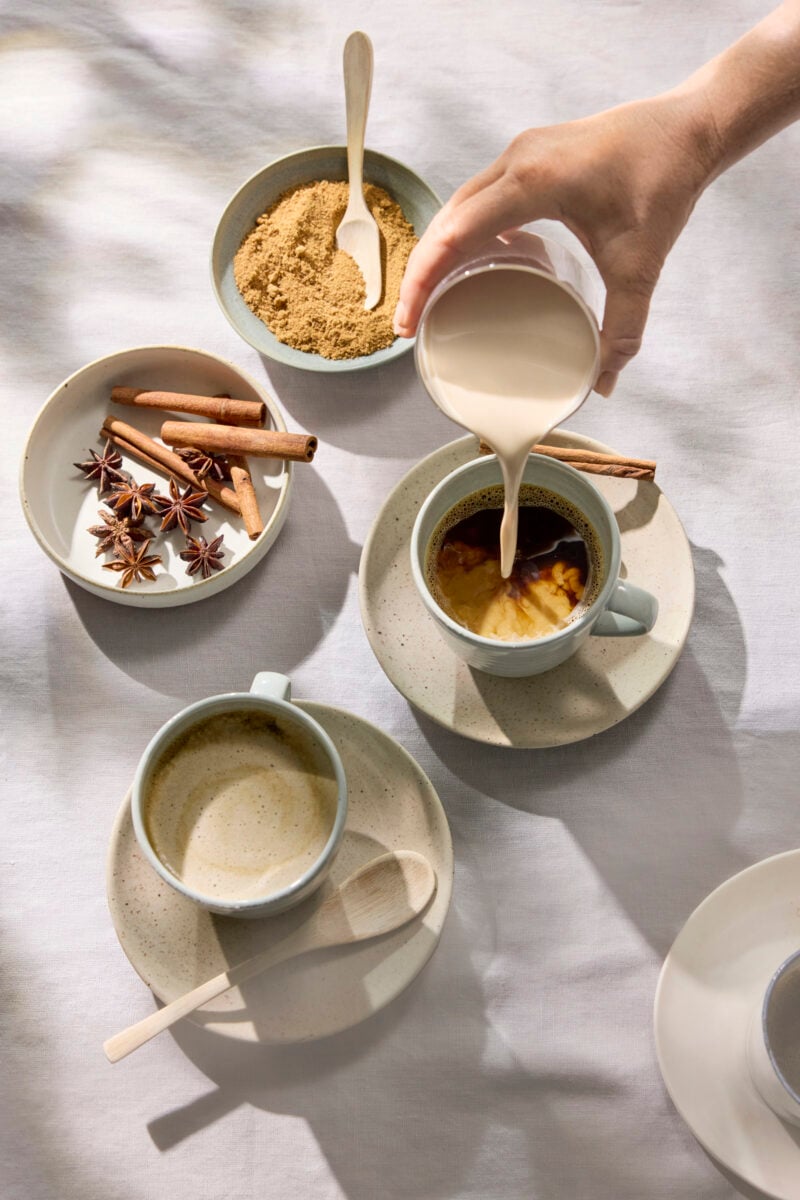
174	945
599	686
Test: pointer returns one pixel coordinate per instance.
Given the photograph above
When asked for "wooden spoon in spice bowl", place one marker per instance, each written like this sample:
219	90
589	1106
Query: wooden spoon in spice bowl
358	232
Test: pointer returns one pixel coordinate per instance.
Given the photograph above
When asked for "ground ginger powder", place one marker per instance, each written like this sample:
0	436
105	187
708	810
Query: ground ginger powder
308	293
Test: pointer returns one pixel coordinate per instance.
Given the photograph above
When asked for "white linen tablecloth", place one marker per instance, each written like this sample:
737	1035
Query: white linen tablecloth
521	1062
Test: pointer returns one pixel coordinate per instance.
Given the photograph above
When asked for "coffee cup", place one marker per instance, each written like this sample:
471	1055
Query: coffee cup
773	1042
239	801
608	607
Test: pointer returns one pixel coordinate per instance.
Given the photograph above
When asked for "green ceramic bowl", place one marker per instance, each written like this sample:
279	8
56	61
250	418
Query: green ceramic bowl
417	200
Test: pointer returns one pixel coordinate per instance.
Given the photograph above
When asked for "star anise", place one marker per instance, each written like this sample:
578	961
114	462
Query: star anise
134	564
132	499
117	532
105	467
203	463
181	510
202	556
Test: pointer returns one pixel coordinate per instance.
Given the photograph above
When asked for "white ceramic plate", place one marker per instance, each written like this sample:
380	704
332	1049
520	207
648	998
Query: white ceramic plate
60	504
711	980
174	945
602	684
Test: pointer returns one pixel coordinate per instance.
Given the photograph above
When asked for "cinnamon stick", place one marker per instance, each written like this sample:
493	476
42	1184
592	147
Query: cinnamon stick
243	486
218	408
138	444
232	439
242	482
592	462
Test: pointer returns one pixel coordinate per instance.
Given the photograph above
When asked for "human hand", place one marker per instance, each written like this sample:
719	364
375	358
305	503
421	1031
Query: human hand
624	182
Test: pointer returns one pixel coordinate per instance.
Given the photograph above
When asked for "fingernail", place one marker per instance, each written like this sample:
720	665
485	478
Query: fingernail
400	318
606	383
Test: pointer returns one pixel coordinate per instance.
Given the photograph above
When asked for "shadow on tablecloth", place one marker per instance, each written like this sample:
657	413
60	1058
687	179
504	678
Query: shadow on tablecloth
356	1089
354	411
187	651
653	802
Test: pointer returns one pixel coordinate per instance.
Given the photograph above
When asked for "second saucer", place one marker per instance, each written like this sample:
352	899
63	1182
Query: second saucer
174	944
604	682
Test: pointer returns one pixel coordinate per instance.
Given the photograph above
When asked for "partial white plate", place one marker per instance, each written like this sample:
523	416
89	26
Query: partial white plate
608	678
60	504
718	967
174	945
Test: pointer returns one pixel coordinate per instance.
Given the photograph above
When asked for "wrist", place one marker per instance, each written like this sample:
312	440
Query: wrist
746	94
704	135
691	146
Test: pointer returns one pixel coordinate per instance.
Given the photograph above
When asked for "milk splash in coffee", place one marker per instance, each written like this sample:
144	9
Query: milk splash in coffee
508	353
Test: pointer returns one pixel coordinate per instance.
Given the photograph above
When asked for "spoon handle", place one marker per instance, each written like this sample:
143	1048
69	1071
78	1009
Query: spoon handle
381	896
130	1039
357	61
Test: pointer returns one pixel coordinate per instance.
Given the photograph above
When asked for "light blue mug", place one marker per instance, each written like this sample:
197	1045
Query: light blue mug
270	695
619	608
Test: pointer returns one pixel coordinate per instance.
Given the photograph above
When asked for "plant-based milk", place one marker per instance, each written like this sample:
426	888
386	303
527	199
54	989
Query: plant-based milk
508	353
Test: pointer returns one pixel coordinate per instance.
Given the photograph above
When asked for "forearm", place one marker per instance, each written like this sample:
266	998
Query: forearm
749	92
624	181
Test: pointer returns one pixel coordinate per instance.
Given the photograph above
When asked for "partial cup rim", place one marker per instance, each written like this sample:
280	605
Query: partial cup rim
777	975
588	615
211	706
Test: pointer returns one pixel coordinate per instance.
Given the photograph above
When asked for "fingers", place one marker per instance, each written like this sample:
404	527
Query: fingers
486	206
624	319
606	383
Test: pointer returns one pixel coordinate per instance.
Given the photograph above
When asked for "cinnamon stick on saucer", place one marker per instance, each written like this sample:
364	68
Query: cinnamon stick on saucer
140	446
217	408
231	439
593	462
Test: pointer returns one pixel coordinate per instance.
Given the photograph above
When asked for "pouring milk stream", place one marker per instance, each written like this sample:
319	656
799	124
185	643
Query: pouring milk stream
509	353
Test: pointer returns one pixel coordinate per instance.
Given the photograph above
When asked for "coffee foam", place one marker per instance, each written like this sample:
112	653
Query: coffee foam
241	806
530	495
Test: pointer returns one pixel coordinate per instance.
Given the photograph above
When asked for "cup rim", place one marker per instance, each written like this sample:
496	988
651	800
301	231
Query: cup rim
588	616
777	974
232	701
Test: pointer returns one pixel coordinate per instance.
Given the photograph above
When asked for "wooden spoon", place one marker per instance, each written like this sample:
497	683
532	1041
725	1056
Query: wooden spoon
358	233
381	896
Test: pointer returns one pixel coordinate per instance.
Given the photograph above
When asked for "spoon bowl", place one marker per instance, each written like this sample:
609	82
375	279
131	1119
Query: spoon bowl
383	895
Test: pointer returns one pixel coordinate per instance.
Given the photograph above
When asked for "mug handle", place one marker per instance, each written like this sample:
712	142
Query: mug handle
272	686
630	612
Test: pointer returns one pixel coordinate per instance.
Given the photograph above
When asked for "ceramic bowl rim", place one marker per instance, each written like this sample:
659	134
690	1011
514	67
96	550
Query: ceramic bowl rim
316	362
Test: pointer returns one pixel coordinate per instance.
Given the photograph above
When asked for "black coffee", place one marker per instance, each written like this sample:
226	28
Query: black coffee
556	565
